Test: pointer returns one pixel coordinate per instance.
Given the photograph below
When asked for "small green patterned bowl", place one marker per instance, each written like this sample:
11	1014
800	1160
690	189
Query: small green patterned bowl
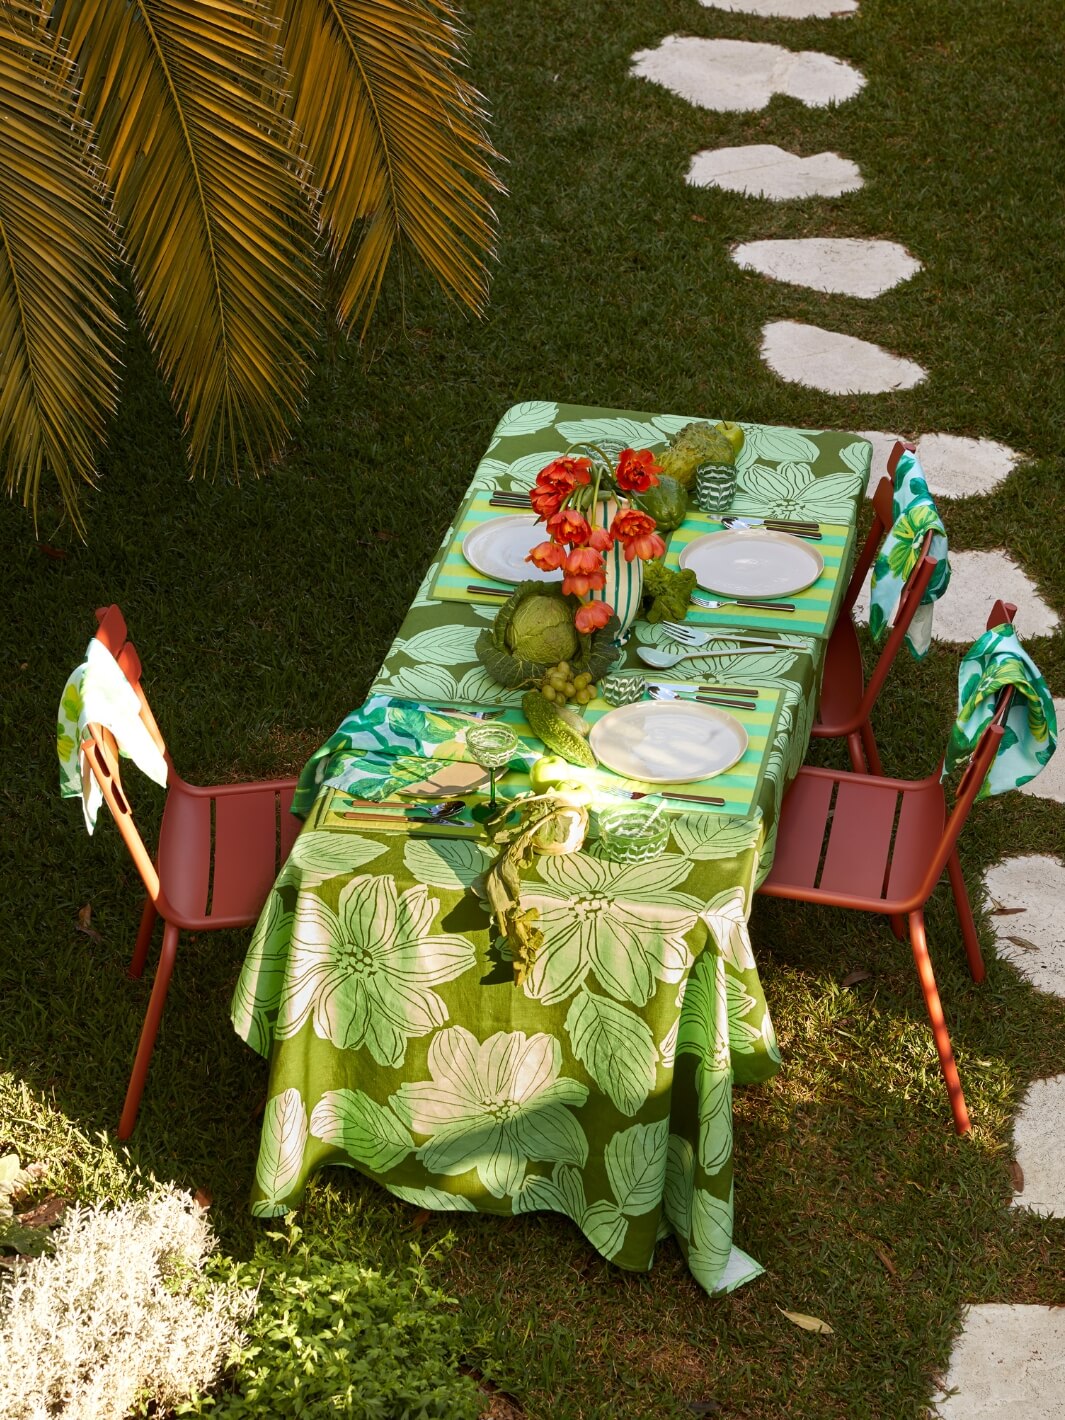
622	689
633	833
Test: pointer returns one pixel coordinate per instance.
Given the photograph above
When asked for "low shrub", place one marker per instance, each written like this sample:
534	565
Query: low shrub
331	1338
120	1316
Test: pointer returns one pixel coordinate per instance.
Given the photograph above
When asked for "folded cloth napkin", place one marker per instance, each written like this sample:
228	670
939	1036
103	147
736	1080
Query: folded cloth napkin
1031	728
915	516
382	747
98	693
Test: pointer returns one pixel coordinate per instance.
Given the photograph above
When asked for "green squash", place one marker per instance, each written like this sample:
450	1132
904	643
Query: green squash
666	502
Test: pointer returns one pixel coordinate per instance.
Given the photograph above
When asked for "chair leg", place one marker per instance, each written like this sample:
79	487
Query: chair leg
919	944
144	938
898	926
872	754
965	917
149	1031
857	754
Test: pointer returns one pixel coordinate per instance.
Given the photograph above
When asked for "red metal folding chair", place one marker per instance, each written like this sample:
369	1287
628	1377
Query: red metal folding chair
846	701
838	844
219	850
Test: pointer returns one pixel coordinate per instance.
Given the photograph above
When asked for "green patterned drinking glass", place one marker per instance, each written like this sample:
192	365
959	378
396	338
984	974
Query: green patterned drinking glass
633	833
492	747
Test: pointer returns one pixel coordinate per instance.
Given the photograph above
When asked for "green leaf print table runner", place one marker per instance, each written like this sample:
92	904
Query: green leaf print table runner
397	1040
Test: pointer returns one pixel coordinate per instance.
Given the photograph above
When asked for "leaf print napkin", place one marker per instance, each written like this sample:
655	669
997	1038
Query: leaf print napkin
915	516
381	748
1031	730
98	693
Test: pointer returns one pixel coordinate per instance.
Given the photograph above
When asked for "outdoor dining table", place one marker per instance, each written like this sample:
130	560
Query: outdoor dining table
397	1038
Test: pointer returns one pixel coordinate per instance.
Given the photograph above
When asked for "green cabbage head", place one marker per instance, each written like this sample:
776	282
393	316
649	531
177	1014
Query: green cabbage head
542	629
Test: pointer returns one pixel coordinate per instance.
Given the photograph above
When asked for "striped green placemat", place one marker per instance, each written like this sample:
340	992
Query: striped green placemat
815	608
455	576
738	786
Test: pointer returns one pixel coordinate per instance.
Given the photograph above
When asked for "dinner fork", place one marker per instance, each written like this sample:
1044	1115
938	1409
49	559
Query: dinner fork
662	692
712	604
693	636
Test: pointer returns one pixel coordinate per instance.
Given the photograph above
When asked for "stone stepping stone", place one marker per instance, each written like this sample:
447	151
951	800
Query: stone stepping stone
977	580
764	170
740	76
955	466
1007	1364
786	9
1035	882
1040	1151
837	364
848	266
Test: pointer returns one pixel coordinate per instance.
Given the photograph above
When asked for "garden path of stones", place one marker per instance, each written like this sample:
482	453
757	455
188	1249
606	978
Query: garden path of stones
1008	1359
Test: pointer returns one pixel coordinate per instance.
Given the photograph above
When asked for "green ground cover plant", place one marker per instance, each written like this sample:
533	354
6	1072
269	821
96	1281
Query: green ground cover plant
262	611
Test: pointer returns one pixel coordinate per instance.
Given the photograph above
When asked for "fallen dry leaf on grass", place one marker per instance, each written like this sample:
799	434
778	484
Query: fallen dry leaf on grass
46	1214
1016	1176
885	1258
853	977
808	1323
85	921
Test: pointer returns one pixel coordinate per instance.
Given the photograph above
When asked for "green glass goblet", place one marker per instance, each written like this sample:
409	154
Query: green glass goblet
492	747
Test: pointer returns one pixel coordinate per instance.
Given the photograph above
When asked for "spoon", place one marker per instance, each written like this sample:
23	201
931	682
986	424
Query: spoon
662	660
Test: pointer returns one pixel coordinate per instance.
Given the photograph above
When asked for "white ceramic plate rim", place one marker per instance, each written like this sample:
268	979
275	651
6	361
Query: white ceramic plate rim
477	544
657	709
760	536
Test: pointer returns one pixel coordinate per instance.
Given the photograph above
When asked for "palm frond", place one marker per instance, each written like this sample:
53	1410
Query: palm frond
59	333
397	141
186	99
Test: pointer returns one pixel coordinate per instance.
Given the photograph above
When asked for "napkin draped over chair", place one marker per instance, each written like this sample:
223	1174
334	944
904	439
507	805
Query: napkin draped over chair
916	515
382	747
98	693
992	663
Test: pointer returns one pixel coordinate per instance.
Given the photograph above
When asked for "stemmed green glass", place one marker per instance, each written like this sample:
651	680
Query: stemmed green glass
492	747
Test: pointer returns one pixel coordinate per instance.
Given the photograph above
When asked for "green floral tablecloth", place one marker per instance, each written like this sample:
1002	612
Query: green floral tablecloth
601	1089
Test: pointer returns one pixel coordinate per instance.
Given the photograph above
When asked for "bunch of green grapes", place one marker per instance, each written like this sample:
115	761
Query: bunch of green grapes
560	685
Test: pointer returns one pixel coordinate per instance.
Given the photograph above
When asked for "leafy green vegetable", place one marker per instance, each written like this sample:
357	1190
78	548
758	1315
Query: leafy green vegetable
501	651
667	595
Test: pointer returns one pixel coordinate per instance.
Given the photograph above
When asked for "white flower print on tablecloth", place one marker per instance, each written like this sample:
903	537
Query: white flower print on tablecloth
622	923
363	973
493	1106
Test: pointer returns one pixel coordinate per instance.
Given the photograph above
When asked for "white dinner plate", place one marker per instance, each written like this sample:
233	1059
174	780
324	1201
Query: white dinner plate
668	741
752	563
499	547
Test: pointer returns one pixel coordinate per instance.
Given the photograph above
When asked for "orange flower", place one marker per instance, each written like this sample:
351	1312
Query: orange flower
637	531
601	539
548	556
546	501
569	526
637	471
565	473
579	582
584	562
592	615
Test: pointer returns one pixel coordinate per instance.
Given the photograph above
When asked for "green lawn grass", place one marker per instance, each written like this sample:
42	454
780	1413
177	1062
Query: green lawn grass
262	611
